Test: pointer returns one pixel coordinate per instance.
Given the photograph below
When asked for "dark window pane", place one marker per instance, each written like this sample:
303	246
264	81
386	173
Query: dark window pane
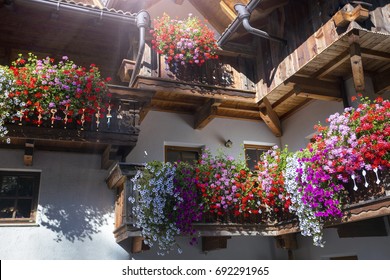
251	158
7	207
173	156
26	185
9	186
189	156
24	208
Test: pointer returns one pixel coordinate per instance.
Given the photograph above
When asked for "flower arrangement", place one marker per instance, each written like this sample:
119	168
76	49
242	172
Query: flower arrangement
270	177
63	92
187	41
216	180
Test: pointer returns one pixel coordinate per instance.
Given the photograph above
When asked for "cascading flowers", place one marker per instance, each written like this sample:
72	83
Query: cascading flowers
184	42
6	87
155	205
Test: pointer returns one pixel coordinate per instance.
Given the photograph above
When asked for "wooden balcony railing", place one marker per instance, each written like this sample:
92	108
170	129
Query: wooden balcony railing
116	125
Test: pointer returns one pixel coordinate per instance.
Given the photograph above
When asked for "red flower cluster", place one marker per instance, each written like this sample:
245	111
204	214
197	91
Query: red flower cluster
183	41
373	131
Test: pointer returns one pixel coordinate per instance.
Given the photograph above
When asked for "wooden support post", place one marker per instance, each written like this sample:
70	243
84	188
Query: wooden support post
138	245
270	118
356	62
28	152
206	113
109	157
357	67
287	241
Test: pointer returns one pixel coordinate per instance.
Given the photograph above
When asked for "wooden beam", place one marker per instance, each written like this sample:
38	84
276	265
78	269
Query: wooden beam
357	67
283	98
373	54
205	91
331	65
206	113
270	118
237	49
227	10
316	89
348	14
28	152
122	92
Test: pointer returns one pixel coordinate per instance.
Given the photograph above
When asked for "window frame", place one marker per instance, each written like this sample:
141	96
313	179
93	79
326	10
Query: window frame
181	149
257	148
34	197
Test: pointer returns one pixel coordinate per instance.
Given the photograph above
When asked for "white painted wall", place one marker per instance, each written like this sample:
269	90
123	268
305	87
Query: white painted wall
365	248
75	218
160	127
300	125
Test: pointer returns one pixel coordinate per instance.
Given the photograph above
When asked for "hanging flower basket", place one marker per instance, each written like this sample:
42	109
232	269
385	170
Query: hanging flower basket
183	42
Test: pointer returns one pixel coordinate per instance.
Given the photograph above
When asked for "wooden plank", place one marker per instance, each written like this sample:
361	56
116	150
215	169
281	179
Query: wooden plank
283	98
187	89
227	10
323	89
331	65
357	67
373	54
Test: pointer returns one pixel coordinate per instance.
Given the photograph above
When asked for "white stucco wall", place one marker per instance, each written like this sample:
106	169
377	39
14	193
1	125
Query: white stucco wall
75	212
161	128
365	248
301	124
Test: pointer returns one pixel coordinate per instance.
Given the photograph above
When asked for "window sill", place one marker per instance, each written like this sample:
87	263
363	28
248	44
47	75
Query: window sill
19	225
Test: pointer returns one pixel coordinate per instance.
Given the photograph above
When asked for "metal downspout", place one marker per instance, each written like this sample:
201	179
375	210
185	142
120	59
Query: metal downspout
143	21
244	13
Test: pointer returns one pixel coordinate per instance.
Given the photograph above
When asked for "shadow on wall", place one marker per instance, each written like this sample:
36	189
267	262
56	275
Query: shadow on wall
76	223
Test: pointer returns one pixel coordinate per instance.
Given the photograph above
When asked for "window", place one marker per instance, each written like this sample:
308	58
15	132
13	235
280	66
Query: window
253	153
176	153
18	196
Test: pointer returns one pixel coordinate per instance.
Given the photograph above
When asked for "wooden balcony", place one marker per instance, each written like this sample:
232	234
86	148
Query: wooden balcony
220	88
113	133
365	203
